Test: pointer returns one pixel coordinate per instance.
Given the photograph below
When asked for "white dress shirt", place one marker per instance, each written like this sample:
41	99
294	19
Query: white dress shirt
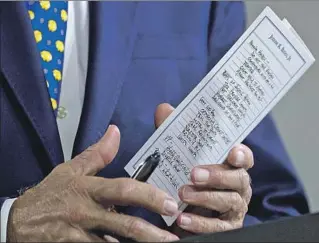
72	87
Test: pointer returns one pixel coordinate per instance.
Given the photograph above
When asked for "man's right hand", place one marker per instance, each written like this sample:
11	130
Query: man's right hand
71	202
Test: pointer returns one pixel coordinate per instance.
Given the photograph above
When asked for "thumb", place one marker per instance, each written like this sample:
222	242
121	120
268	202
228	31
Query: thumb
162	112
99	155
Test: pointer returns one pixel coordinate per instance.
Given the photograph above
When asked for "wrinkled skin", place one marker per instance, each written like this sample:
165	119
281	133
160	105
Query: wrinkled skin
218	195
70	202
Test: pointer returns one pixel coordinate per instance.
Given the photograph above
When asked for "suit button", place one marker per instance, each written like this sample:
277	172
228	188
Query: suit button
62	112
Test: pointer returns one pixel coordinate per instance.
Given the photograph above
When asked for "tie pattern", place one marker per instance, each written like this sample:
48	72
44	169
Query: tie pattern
49	22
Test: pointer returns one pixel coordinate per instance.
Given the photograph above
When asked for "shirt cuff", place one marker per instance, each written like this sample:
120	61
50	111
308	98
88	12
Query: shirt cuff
5	210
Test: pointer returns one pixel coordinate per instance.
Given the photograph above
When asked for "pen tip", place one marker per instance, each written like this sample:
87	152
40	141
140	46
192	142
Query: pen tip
156	153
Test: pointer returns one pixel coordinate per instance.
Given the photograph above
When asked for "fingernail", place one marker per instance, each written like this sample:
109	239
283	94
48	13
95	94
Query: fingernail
170	206
172	238
201	175
185	220
112	131
109	238
240	158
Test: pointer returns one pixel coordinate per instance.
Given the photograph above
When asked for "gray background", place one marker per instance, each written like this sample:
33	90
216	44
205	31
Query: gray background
297	114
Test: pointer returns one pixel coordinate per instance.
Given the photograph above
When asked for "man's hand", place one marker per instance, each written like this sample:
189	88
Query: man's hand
70	202
223	188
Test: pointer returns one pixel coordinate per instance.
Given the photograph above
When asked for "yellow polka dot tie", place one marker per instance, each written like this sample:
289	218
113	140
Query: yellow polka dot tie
49	22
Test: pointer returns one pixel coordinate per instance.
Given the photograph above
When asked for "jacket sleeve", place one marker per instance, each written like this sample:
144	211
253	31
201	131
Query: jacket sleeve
277	191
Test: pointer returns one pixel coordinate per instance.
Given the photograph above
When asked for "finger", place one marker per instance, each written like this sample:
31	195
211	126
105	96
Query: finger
127	226
109	238
221	177
124	191
96	157
198	224
246	195
220	201
241	157
162	112
95	238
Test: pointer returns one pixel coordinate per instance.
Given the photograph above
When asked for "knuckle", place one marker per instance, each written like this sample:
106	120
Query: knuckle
244	178
208	197
87	154
74	216
126	187
152	194
165	238
78	183
221	226
248	194
203	225
237	225
62	170
236	202
218	178
134	227
235	198
90	155
244	208
78	165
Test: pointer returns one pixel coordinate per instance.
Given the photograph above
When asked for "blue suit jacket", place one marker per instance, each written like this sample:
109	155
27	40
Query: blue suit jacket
141	54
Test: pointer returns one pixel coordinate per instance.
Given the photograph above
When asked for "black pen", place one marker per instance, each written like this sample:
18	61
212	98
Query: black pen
142	173
146	168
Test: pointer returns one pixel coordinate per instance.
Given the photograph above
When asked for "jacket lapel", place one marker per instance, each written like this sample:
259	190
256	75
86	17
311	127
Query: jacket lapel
20	64
112	35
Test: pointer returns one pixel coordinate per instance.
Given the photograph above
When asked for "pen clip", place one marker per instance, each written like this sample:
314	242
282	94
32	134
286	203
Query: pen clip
150	158
138	168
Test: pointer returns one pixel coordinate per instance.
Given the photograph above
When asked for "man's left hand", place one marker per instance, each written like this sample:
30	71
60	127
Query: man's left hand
223	188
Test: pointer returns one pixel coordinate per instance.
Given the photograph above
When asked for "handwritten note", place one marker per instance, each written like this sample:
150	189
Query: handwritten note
227	104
